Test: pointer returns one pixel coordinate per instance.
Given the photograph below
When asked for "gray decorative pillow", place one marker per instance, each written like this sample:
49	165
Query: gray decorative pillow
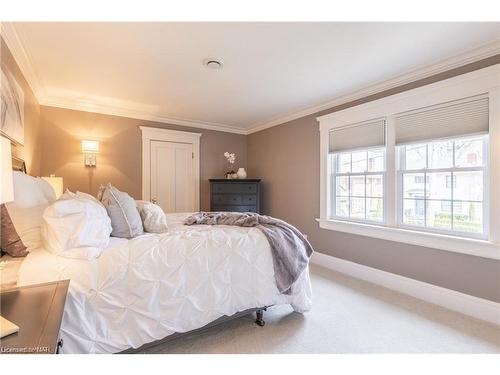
10	242
122	210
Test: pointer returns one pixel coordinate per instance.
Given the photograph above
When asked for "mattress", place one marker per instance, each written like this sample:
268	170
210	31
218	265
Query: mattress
144	289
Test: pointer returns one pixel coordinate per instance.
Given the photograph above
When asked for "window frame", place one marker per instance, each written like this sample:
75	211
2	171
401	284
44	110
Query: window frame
400	152
333	182
480	82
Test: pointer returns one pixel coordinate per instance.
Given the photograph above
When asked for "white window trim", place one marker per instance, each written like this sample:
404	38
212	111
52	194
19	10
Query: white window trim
462	245
158	134
483	81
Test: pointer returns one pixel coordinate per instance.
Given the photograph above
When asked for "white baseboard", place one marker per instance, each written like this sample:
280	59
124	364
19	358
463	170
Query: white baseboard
463	303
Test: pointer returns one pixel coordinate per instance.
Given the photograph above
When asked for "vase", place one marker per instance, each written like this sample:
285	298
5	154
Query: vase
242	174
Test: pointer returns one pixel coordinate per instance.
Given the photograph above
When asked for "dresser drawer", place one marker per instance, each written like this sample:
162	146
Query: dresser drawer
236	208
248	199
227	199
235	199
235	195
234	188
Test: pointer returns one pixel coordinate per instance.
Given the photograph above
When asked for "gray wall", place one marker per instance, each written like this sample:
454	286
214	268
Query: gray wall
120	157
286	157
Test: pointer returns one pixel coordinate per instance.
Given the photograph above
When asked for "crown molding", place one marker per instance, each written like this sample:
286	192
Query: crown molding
14	42
115	107
23	59
477	54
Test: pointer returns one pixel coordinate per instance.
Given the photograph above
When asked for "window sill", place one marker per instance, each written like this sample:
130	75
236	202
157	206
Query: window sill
468	246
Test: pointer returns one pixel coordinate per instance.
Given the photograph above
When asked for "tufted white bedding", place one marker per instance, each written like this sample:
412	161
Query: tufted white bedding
144	289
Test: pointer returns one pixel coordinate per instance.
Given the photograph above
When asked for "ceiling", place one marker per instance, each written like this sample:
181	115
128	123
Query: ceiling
270	72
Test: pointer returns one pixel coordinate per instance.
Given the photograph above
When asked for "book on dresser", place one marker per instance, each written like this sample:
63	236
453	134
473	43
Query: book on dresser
235	195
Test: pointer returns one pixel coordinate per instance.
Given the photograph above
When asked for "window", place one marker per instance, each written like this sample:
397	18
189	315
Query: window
357	160
359	184
426	171
452	197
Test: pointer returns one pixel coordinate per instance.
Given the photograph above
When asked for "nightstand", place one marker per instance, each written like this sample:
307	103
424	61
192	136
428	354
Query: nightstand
37	310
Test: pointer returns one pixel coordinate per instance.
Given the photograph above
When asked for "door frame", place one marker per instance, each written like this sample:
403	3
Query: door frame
150	134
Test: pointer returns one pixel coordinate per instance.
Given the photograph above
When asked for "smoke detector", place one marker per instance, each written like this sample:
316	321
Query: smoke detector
211	63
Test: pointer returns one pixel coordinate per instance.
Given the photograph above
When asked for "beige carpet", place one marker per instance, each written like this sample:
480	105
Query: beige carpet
348	316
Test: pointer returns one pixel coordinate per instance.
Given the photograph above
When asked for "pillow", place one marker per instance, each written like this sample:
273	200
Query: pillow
21	219
76	227
69	195
122	210
10	242
153	218
87	196
31	191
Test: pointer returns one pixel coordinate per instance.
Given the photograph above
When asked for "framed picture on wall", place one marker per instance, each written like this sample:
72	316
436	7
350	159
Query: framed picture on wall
18	164
11	107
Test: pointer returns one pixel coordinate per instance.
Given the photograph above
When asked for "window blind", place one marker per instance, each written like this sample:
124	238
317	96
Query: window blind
461	117
356	136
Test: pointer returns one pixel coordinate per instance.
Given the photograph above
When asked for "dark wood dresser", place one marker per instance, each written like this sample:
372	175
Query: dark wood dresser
37	310
235	195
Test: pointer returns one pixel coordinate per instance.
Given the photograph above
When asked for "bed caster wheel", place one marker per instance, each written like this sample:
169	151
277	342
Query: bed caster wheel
259	321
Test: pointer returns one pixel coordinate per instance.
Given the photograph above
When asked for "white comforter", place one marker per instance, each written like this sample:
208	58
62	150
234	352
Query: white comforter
144	289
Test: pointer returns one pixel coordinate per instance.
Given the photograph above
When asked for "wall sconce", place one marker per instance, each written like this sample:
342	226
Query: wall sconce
90	149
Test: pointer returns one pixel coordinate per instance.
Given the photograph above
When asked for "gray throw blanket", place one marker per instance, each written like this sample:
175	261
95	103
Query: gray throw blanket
289	248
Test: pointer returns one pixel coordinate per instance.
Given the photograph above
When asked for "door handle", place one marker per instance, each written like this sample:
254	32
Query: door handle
154	200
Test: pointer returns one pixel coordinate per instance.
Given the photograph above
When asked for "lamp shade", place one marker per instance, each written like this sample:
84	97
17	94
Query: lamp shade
7	182
56	183
90	147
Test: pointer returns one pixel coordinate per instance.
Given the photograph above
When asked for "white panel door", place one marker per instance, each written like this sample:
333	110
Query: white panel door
172	176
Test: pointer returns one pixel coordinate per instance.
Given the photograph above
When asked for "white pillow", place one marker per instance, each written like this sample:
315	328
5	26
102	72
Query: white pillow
31	191
153	218
76	227
69	195
88	196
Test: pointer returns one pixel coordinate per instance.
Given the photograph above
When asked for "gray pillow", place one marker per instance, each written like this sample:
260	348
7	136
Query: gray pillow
122	210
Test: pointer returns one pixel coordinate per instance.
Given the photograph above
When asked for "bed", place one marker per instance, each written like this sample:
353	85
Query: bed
142	290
